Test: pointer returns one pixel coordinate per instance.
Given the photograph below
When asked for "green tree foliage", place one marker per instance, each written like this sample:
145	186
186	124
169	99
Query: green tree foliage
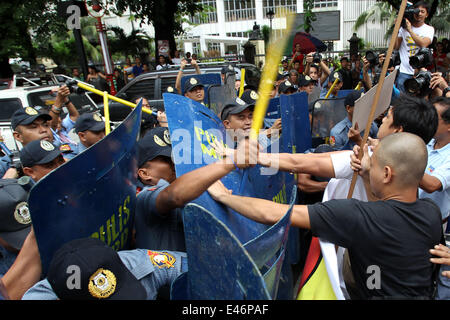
309	16
162	14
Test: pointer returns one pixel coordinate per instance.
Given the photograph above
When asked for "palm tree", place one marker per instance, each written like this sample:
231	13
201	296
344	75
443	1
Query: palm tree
133	44
387	11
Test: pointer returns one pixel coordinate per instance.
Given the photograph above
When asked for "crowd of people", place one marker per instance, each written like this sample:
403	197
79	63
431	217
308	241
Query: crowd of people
396	220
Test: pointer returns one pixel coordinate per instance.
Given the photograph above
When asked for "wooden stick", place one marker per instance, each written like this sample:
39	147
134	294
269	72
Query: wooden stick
378	92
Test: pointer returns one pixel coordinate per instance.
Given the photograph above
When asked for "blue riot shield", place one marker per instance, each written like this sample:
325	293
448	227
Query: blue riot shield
220	268
296	130
92	195
344	93
193	128
273	112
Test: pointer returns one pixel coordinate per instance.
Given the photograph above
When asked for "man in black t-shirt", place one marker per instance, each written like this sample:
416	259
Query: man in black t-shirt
388	238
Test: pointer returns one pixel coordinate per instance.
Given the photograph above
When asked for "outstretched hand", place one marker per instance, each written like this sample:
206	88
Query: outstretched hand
217	190
443	254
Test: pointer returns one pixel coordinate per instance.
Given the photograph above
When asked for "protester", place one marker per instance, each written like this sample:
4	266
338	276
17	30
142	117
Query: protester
176	59
96	78
416	34
400	220
345	71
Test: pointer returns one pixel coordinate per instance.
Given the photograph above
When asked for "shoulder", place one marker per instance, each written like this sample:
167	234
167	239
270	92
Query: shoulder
40	291
339	127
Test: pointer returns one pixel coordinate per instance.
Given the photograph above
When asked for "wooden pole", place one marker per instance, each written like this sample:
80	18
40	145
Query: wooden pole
378	92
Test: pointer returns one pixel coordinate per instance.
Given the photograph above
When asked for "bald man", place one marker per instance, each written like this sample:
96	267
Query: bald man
387	240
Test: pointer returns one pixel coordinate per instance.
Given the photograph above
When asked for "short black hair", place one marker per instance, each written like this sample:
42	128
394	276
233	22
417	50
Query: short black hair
445	102
424	4
415	115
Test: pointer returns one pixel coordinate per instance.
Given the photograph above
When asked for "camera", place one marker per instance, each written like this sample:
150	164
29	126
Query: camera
410	11
395	59
317	57
73	87
419	85
372	58
422	59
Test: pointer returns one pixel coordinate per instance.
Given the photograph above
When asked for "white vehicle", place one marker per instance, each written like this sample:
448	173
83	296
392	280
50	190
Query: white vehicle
39	97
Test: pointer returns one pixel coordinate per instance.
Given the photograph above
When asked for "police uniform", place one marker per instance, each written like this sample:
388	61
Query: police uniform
340	134
154	230
142	272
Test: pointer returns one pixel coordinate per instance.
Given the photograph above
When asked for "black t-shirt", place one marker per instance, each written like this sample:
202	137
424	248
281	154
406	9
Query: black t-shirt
390	238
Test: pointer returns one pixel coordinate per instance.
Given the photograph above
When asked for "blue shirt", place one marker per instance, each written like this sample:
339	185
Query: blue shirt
142	263
340	131
438	166
5	163
153	229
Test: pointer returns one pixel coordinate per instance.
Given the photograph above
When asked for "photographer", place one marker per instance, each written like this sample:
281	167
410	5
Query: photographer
314	64
412	36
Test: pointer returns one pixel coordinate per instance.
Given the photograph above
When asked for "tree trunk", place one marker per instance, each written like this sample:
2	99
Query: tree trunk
5	69
165	25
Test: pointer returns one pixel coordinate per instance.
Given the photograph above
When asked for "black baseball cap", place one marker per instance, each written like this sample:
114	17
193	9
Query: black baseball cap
103	275
156	142
25	116
227	69
89	121
191	83
38	152
286	86
234	106
335	75
303	81
352	97
250	97
15	219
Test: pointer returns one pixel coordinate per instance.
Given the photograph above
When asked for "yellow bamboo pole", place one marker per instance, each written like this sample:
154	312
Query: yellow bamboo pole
332	87
111	97
274	54
241	88
106	112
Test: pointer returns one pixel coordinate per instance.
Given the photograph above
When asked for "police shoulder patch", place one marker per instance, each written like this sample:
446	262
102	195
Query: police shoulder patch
161	259
65	147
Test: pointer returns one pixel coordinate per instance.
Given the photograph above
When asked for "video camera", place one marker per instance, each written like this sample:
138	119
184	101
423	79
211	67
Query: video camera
422	59
419	85
410	11
73	87
374	59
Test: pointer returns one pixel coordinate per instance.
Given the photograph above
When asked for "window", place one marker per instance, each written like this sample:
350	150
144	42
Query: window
283	5
8	107
325	3
239	10
208	15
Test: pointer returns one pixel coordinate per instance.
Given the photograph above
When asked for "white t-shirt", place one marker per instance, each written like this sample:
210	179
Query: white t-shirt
408	47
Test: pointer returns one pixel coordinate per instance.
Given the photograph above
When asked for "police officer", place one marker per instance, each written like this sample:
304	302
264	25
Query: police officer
40	157
15	221
158	220
29	124
339	133
333	76
105	274
90	129
194	89
287	87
